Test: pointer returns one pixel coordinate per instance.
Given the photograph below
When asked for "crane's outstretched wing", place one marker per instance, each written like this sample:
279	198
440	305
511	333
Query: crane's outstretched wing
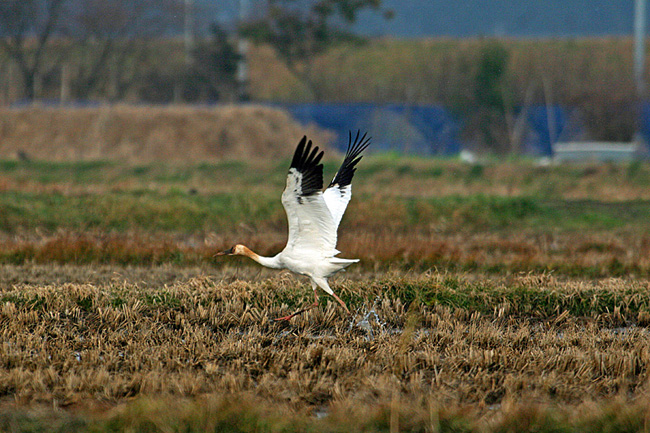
338	193
311	227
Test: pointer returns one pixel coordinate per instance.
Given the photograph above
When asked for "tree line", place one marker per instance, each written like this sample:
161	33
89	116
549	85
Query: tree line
133	51
94	49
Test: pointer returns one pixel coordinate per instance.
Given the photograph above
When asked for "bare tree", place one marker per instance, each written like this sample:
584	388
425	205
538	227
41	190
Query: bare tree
26	28
109	33
300	32
214	67
95	36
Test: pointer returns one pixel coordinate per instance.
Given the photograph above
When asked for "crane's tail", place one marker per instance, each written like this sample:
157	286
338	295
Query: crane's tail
337	264
343	262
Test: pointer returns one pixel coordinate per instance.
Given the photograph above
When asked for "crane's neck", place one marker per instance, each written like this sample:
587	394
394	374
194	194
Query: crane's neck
269	262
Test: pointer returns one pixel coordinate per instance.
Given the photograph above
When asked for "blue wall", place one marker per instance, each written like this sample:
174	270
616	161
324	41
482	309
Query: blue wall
548	125
414	129
428	129
644	122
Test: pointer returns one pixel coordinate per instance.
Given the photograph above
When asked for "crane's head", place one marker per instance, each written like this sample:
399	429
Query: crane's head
237	250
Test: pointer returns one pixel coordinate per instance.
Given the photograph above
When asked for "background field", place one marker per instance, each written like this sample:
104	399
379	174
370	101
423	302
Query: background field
498	297
591	75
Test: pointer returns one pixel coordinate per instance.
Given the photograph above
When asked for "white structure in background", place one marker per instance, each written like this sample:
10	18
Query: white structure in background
468	157
595	151
610	151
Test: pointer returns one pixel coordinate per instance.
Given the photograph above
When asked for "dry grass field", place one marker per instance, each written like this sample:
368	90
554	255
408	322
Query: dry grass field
437	351
498	298
148	133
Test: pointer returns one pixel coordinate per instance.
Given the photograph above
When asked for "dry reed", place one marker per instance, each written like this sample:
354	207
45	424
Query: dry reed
588	255
561	341
150	133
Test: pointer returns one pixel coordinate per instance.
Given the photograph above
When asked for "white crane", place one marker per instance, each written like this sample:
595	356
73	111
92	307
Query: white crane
313	217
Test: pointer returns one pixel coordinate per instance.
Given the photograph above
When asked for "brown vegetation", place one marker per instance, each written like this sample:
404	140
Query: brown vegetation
418	214
504	297
135	133
563	254
590	74
449	341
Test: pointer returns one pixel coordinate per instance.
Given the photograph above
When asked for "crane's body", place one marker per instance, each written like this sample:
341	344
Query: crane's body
313	216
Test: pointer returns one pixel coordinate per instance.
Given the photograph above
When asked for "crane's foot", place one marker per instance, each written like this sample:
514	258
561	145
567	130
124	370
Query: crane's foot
291	316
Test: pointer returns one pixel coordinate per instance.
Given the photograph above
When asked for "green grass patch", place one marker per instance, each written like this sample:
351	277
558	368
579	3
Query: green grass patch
519	299
149	211
182	211
239	414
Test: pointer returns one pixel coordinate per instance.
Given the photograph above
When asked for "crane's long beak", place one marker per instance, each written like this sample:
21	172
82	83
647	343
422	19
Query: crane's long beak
224	253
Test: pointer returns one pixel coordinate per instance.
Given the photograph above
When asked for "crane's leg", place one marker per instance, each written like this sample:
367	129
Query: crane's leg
322	283
345	307
315	304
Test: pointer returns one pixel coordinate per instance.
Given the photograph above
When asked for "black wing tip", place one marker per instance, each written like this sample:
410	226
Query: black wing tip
352	157
305	157
297	155
306	160
358	145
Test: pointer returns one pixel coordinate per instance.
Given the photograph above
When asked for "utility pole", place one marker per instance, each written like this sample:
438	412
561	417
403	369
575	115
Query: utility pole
188	47
639	46
189	31
64	97
639	72
242	50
